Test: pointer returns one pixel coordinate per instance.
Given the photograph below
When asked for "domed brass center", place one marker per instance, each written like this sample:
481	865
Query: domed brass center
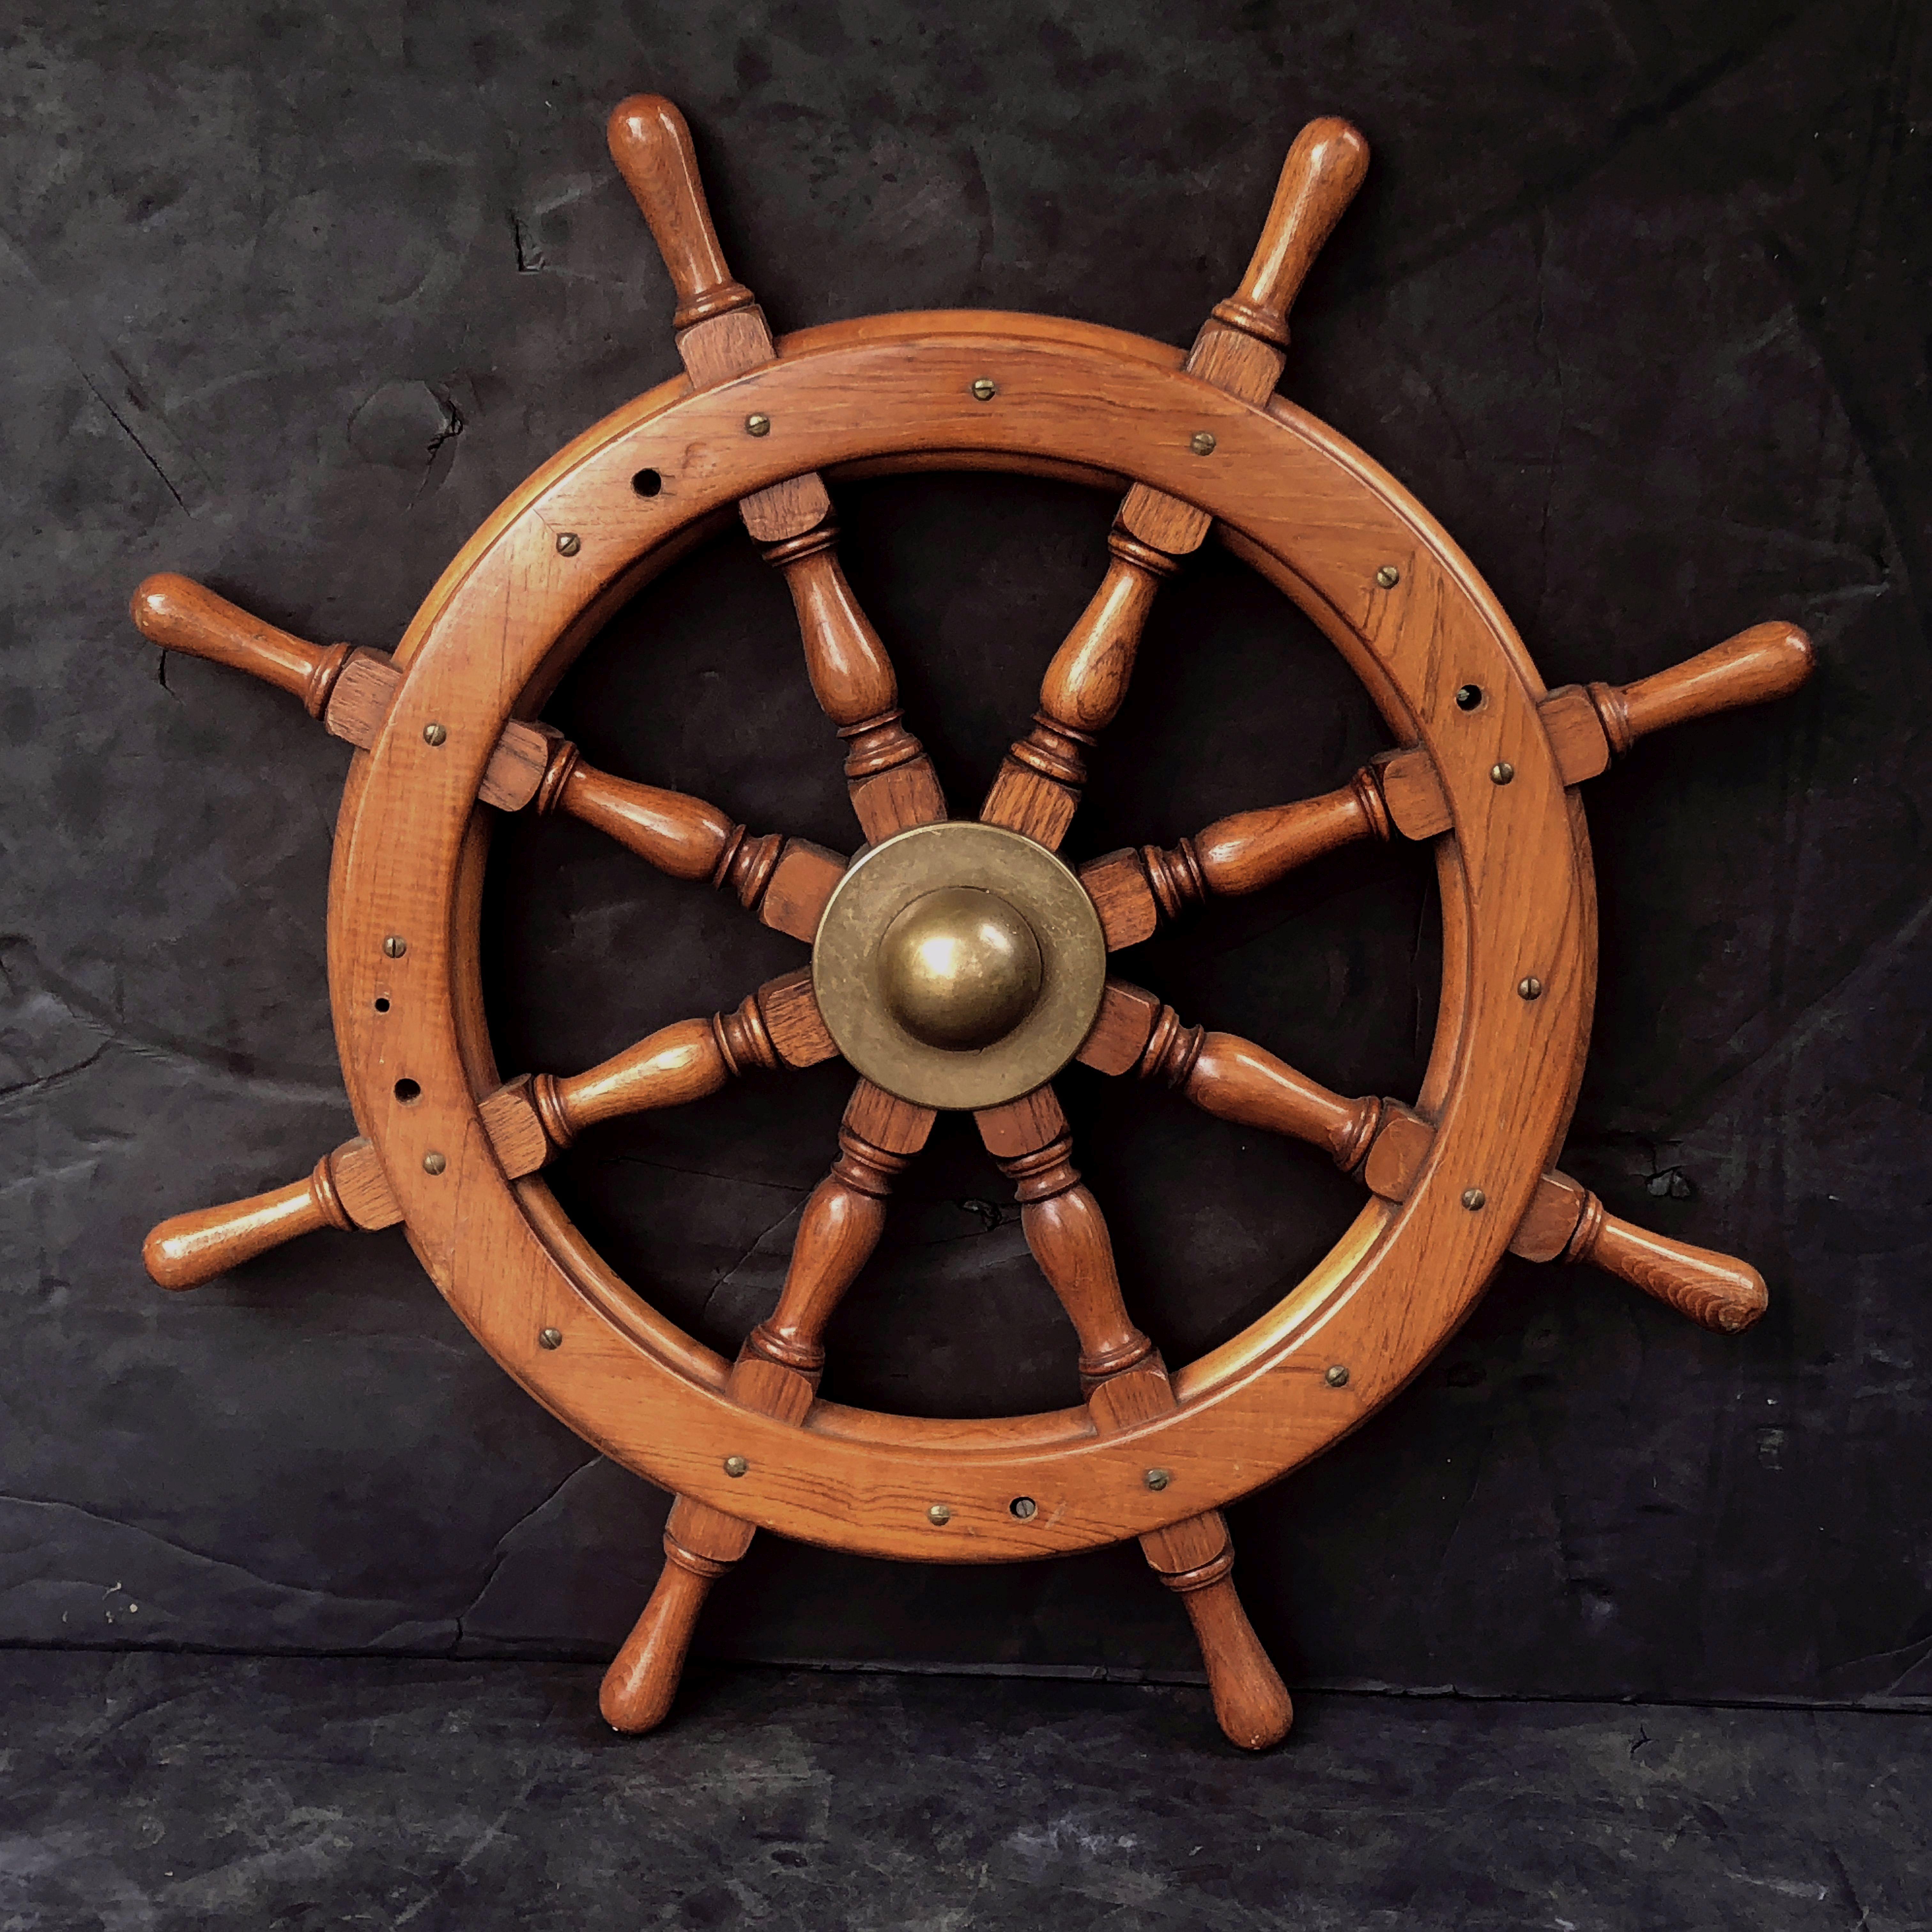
959	968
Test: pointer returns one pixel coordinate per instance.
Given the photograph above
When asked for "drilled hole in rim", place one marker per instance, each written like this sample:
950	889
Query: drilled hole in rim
408	1092
1024	1507
382	1005
1469	697
647	482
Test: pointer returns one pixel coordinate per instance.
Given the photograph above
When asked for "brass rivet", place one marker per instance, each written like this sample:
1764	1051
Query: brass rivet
395	945
434	734
1201	443
736	1466
1501	773
1531	988
433	1162
939	1513
1338	1375
1473	1198
569	543
1388	577
1025	1508
985	388
757	424
549	1338
1158	1479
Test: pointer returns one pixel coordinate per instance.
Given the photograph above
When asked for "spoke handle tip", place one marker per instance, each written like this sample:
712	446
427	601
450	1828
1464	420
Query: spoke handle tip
1325	165
181	615
1766	661
650	142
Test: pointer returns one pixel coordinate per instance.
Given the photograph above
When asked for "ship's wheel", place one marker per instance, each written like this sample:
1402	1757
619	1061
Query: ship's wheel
960	962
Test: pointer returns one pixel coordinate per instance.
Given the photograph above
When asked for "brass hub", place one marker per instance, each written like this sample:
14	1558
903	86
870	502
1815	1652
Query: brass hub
959	964
959	968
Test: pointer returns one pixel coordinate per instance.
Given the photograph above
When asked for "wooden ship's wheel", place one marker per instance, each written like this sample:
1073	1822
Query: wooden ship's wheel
961	963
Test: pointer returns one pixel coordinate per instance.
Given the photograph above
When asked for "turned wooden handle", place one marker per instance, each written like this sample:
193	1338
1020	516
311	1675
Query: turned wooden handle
1251	1702
676	1063
1239	1081
1253	849
652	146
1323	169
678	834
1768	661
642	1682
1717	1292
191	1248
181	615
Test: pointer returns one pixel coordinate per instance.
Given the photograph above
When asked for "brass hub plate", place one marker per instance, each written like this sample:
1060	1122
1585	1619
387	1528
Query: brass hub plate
849	967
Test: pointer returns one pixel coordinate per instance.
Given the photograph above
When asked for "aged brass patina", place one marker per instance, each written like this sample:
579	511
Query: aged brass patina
959	964
959	968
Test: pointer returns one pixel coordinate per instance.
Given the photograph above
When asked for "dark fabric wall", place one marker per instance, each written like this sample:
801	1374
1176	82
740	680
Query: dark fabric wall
1635	300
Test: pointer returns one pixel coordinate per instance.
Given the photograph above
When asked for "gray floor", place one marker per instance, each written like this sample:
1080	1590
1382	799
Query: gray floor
154	1792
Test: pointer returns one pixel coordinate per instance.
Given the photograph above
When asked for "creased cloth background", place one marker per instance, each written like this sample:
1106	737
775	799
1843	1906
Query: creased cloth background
1635	301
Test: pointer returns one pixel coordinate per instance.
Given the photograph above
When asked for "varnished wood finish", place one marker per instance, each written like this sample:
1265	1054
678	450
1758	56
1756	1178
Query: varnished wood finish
452	1150
776	1375
528	1120
1126	1384
891	780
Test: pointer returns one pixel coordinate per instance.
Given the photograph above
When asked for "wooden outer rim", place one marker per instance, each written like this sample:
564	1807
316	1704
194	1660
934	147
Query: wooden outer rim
1074	399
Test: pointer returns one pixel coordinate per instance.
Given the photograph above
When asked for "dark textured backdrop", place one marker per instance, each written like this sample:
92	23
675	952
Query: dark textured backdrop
1635	300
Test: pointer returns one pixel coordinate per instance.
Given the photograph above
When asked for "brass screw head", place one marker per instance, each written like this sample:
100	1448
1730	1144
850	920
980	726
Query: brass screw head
1025	1508
985	388
736	1466
1473	1198
1530	988
757	424
1158	1479
1501	772
434	734
939	1513
1388	577
395	945
550	1338
433	1162
1337	1376
569	543
1201	442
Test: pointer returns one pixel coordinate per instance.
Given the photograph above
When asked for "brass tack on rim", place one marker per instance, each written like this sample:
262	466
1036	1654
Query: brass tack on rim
736	1466
757	424
550	1338
433	1162
1158	1479
1530	988
939	1513
569	543
1501	772
1337	1376
1201	442
395	945
434	734
1388	577
1473	1198
985	388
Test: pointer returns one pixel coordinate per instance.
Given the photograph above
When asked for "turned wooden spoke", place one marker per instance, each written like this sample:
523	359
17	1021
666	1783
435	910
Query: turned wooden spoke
529	1120
1241	348
721	333
1125	1383
1587	726
785	882
776	1374
1387	1143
